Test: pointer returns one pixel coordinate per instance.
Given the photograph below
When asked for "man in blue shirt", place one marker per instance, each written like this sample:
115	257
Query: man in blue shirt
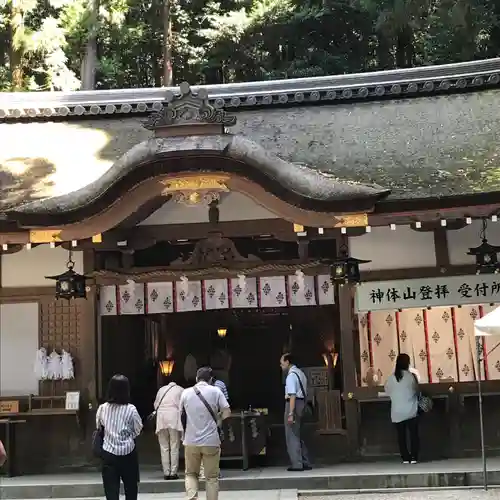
222	386
296	399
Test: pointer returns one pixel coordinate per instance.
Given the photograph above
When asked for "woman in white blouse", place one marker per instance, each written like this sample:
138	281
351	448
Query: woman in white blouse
402	388
122	424
169	427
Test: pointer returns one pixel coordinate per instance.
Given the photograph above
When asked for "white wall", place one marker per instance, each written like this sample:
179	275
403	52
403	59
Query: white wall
29	267
233	206
400	249
19	325
460	241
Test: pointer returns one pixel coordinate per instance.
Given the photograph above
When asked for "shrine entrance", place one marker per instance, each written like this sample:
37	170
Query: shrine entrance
243	347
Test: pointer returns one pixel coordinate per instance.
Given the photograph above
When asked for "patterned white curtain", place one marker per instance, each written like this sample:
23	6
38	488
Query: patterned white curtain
440	342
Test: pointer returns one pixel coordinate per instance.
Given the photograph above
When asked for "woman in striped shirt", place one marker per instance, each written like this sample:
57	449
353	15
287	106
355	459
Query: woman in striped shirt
122	424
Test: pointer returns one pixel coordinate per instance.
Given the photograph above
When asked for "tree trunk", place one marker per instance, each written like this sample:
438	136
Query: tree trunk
167	45
16	49
384	56
400	51
89	63
404	49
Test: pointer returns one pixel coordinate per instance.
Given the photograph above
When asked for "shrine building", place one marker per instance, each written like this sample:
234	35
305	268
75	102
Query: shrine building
226	225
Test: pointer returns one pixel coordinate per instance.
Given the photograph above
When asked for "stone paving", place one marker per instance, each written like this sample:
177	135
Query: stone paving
224	495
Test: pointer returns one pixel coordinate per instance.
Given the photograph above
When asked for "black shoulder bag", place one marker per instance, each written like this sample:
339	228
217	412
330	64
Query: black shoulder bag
98	441
308	407
210	410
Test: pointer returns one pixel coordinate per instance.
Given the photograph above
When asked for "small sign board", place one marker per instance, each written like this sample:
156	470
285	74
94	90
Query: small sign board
317	376
9	407
428	292
72	401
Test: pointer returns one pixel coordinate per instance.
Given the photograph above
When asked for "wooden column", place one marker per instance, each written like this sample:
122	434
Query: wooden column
89	360
345	305
441	248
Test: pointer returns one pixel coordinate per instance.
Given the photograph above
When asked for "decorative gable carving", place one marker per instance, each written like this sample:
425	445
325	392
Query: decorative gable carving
188	108
212	251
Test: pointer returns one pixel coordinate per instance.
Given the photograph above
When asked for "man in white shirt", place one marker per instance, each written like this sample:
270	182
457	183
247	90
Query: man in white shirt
296	400
168	427
200	406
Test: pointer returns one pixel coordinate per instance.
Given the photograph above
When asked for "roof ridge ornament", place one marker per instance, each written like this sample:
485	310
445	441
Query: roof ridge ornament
188	108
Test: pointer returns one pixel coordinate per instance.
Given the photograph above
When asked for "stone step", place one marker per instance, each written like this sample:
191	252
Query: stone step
352	478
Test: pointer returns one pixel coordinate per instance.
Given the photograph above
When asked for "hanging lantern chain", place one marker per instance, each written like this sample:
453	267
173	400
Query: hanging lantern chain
71	263
484	227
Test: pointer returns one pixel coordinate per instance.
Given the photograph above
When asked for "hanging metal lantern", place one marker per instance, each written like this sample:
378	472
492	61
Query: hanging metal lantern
70	284
486	255
345	269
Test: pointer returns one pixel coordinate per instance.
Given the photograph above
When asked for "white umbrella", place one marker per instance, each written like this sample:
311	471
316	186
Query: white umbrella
488	325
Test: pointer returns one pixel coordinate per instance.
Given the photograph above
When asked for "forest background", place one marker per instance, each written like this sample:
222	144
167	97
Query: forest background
105	44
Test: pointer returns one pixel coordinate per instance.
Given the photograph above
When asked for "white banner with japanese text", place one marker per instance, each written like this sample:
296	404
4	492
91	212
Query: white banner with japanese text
429	292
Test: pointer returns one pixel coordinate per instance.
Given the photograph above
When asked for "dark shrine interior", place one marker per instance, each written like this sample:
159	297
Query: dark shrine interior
247	359
266	248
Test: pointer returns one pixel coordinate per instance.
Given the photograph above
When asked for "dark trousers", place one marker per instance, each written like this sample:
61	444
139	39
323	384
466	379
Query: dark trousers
124	467
405	428
297	451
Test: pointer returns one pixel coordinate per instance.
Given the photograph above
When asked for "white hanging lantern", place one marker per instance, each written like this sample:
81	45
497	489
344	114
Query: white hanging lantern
184	285
242	282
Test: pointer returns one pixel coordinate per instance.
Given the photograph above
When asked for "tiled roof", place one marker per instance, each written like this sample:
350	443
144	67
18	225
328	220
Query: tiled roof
331	89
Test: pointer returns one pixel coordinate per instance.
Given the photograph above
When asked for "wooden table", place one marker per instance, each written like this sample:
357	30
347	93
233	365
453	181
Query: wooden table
10	440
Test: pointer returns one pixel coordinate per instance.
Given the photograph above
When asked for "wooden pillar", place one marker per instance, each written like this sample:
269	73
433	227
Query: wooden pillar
89	361
345	304
441	248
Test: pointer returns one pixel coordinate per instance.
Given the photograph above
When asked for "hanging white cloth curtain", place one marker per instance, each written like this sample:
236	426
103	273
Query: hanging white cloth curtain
54	366
41	364
67	369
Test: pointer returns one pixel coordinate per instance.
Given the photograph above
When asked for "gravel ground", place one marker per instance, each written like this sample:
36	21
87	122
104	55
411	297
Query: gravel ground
469	494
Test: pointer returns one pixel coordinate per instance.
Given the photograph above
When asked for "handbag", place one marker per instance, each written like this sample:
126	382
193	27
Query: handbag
152	415
98	441
308	407
425	403
210	410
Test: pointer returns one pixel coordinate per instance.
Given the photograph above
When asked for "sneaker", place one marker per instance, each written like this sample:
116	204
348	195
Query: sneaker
414	462
406	461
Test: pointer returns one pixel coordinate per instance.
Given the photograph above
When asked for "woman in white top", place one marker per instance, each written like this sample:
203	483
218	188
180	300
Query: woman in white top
169	427
122	424
402	388
3	454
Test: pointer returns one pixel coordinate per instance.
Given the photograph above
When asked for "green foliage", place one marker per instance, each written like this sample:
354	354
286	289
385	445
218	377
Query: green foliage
43	43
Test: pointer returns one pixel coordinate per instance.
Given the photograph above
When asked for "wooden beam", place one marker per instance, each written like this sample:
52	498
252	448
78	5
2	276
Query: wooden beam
416	273
24	294
400	217
279	228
